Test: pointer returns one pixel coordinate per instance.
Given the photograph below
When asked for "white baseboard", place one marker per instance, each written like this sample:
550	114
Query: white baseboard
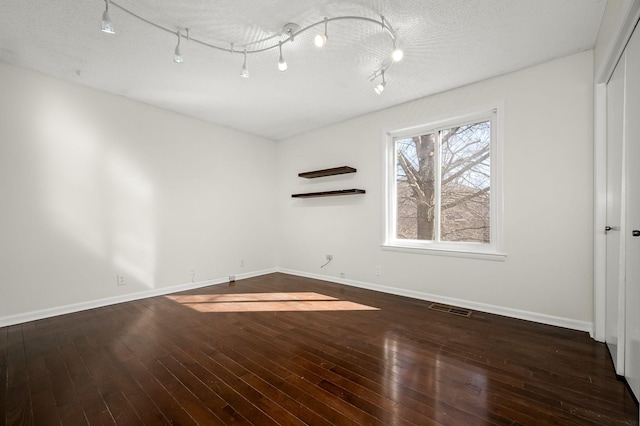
255	274
77	307
483	307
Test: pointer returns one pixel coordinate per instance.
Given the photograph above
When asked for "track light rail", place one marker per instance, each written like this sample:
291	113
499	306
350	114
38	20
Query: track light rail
290	31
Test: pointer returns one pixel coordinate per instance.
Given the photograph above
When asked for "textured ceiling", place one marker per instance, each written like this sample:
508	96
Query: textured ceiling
447	43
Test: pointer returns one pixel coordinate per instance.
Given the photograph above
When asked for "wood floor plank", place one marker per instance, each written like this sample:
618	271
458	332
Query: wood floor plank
219	408
84	366
202	357
190	404
157	392
18	400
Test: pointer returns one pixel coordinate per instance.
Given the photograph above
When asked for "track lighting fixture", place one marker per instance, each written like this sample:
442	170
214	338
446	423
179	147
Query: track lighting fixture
289	32
380	87
244	72
177	56
282	65
107	25
321	39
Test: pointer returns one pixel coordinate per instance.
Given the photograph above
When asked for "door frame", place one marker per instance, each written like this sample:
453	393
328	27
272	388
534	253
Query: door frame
602	76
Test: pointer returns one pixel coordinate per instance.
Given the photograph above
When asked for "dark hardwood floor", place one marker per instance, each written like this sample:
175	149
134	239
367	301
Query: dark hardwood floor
302	352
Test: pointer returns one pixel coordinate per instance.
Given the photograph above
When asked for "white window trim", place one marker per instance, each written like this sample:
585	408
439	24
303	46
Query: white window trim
493	251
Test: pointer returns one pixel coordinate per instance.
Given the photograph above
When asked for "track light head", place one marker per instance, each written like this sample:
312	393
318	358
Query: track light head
107	25
282	65
177	55
380	87
321	39
244	72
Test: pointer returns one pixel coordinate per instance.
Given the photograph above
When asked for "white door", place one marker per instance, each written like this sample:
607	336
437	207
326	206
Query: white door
632	228
614	320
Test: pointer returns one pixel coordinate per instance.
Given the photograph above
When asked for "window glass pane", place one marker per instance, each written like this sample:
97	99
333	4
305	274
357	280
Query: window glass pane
415	187
465	185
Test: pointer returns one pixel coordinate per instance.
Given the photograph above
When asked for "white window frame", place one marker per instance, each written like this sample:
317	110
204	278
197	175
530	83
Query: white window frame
492	251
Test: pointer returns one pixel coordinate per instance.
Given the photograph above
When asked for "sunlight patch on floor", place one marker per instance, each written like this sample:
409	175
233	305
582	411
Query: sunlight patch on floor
267	302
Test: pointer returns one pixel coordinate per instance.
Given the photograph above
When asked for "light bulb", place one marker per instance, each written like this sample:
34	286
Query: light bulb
397	55
282	65
320	40
177	56
244	72
107	26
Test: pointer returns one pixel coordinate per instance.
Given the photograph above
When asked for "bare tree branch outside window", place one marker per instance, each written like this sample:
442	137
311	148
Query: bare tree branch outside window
464	180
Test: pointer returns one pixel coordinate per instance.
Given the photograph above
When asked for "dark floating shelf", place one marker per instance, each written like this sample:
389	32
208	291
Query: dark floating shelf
329	193
328	172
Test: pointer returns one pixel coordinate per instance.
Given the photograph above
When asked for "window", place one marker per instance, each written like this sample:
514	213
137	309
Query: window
443	190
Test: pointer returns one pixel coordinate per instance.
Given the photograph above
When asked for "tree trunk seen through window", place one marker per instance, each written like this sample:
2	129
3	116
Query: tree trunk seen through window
464	184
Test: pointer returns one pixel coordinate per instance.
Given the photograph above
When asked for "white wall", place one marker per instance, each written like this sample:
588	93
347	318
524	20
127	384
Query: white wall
548	126
94	185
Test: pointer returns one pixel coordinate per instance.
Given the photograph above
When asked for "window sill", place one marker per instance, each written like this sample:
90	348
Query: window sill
468	254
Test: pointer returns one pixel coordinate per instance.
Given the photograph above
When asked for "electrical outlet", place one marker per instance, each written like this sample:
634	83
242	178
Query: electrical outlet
378	271
242	263
342	275
329	257
120	280
192	270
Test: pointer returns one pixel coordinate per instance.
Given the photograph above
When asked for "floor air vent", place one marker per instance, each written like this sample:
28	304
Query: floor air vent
463	312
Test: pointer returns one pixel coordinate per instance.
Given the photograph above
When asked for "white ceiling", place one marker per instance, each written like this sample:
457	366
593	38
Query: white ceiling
447	44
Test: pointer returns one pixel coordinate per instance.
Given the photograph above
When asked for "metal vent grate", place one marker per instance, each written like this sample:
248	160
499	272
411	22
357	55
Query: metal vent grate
463	312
